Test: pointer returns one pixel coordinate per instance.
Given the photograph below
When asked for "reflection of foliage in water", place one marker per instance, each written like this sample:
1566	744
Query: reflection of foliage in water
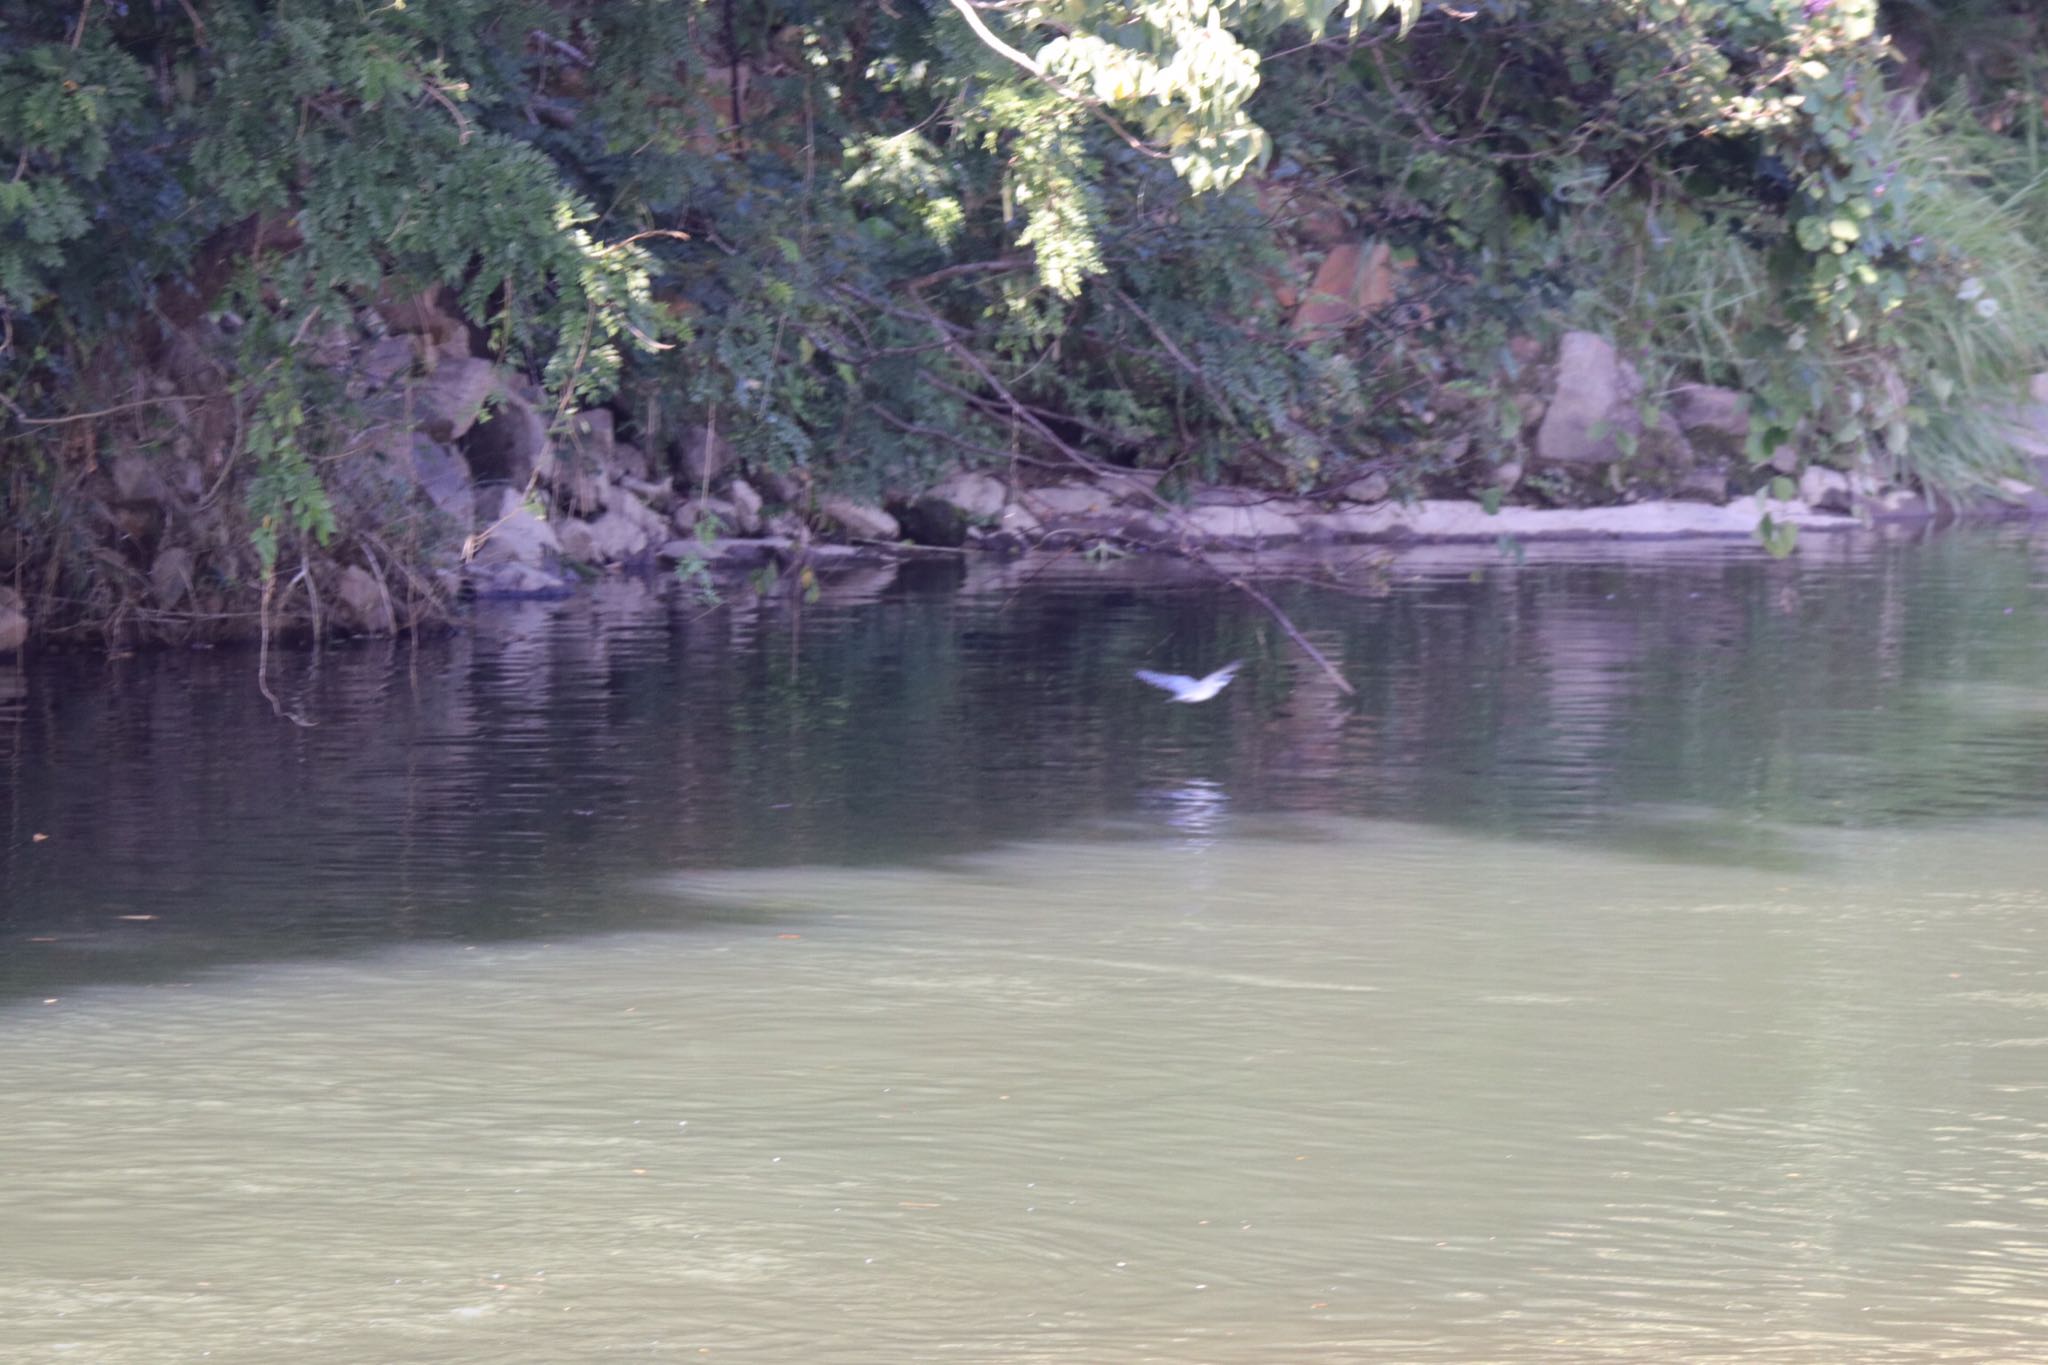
1702	705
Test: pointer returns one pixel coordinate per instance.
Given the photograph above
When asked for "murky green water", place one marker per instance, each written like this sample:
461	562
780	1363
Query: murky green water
1647	964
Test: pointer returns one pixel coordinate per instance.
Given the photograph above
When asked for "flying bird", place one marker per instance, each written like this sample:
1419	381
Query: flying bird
1189	689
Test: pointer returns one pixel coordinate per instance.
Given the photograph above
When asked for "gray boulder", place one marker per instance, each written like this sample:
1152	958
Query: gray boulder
1708	408
862	521
512	444
516	536
1241	514
978	496
660	496
746	507
694	512
447	403
1374	488
379	363
1594	402
1715	420
701	455
1826	489
1704	483
1063	500
443	475
579	546
362	601
617	536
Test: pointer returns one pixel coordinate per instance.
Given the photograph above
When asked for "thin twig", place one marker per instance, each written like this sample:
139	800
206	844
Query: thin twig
28	421
1170	513
263	656
1031	64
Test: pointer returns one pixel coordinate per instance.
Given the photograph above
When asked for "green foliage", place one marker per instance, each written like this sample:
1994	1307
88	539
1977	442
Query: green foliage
861	243
59	104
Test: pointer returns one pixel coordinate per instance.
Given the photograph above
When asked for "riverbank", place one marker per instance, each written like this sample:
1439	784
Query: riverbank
460	485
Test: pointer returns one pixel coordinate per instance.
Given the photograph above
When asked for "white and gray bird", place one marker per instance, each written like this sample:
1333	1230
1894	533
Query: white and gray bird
1189	689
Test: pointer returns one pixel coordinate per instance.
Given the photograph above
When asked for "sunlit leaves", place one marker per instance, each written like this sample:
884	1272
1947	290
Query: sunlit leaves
1174	76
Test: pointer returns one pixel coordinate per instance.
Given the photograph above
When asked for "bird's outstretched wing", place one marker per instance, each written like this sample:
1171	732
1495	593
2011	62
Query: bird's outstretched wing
1175	683
1225	673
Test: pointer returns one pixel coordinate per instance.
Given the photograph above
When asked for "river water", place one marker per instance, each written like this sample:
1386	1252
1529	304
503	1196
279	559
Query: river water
1646	964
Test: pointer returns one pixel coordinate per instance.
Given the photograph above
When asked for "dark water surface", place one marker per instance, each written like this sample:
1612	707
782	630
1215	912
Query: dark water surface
1645	963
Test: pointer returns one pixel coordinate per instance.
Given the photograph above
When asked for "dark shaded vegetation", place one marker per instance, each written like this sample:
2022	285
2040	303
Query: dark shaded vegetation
850	246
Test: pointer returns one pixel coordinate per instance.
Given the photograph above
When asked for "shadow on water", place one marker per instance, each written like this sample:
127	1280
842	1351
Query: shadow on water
1694	704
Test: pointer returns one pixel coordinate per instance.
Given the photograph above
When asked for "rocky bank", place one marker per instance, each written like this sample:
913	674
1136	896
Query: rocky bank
465	485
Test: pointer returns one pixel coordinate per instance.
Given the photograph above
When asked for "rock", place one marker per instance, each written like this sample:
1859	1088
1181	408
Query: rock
1703	483
932	520
516	536
2023	497
1356	522
659	496
746	507
1018	520
577	543
858	519
1139	486
13	621
1372	488
1505	475
1298	211
430	314
736	553
1713	420
170	577
512	444
640	514
788	487
620	535
629	461
1122	524
516	581
409	465
443	475
380	362
364	603
623	532
1707	408
692	512
447	403
1069	500
1895	504
1593	403
701	455
1249	520
137	479
1827	489
586	463
1441	519
979	496
330	347
2026	427
1354	280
